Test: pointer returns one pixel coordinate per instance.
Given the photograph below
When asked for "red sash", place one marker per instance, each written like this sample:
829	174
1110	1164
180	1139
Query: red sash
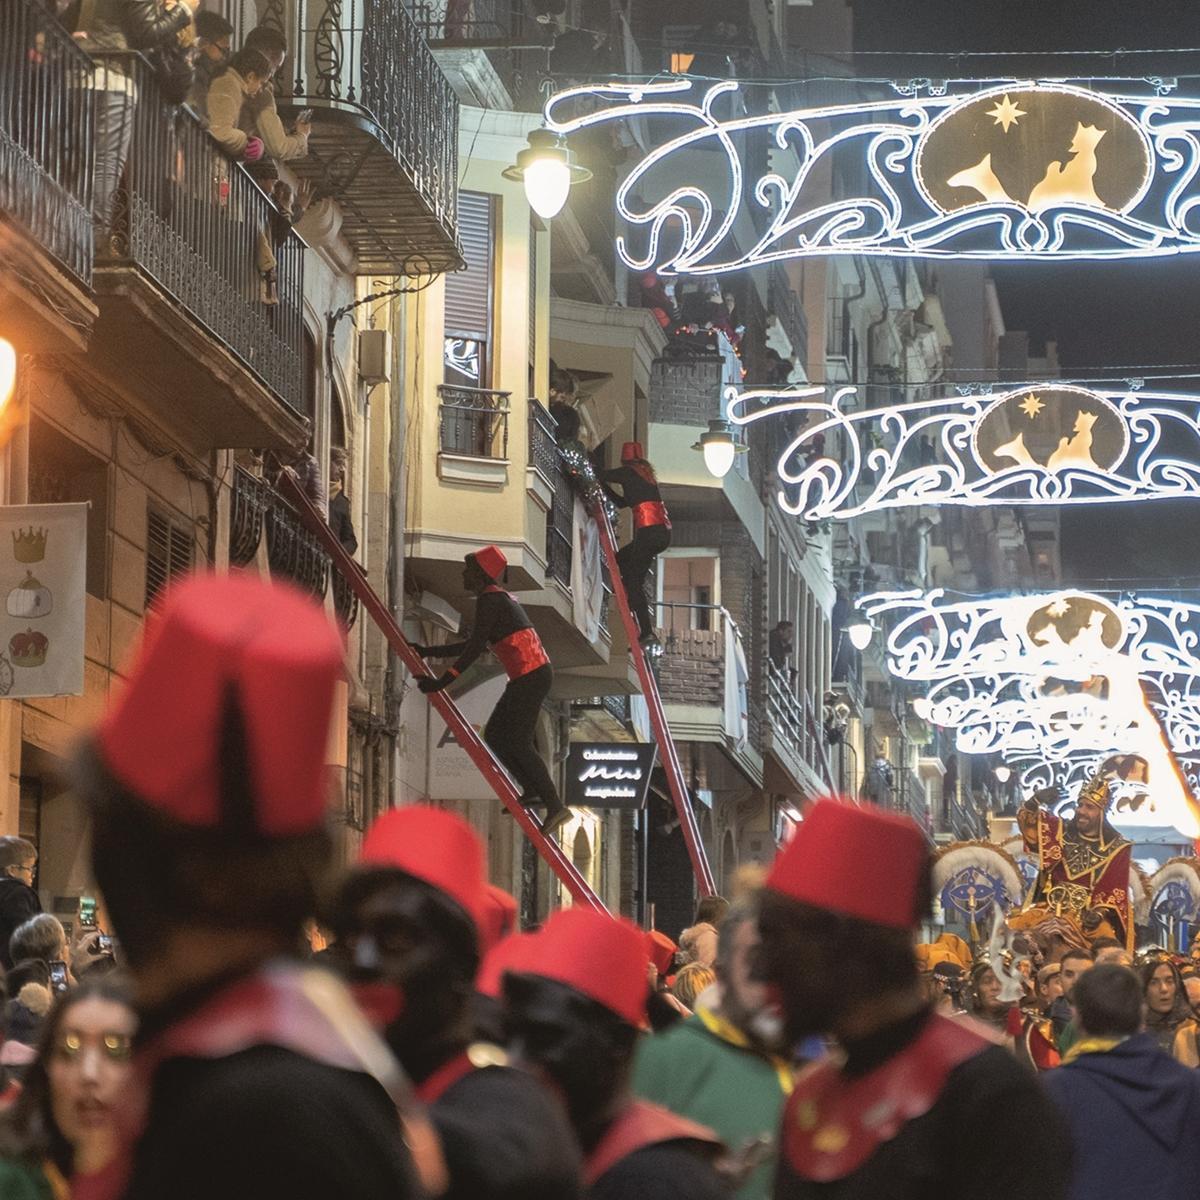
520	653
833	1124
444	1078
650	513
296	1008
639	1125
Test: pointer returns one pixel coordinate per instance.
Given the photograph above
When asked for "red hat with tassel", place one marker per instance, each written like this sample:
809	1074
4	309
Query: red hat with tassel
599	956
500	915
859	862
661	950
491	562
436	847
632	450
229	658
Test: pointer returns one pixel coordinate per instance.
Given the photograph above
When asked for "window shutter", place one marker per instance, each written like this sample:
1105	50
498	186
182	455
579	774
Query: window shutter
169	552
469	292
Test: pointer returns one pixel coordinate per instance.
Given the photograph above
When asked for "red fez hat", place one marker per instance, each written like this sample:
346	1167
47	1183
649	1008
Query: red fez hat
632	450
859	862
436	847
491	561
500	915
218	641
597	955
661	950
508	954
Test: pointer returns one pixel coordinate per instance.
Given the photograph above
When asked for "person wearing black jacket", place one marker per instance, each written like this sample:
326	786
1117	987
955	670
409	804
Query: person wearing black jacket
150	26
921	1105
501	624
409	926
18	900
651	529
255	1076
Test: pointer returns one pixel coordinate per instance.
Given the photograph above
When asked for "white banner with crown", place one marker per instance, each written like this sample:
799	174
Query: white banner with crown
43	573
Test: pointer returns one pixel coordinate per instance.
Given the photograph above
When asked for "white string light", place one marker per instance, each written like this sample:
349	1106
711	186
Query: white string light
896	212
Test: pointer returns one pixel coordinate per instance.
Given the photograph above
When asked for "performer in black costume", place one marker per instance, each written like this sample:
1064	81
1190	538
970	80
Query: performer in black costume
651	529
501	624
409	930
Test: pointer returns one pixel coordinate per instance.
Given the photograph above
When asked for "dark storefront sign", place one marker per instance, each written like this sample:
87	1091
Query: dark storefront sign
609	774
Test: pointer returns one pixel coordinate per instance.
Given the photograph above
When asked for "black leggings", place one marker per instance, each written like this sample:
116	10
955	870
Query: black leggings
634	562
509	733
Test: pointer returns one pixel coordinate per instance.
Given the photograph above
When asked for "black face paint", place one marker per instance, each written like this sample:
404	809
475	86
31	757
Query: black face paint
577	1044
395	931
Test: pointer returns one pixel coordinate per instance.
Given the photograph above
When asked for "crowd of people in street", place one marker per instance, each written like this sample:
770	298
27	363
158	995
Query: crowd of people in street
202	1041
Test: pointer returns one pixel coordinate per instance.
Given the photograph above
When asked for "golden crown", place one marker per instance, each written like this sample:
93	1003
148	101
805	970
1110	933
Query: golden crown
29	545
1096	791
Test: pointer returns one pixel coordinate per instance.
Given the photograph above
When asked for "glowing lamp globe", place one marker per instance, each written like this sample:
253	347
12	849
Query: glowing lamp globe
719	448
8	371
860	634
922	706
547	169
1003	773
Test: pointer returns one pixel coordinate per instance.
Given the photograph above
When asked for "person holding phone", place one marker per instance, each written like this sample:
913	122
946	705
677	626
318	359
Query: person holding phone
18	899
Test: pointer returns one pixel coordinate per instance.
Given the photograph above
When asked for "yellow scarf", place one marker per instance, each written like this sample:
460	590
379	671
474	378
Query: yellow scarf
1091	1046
719	1027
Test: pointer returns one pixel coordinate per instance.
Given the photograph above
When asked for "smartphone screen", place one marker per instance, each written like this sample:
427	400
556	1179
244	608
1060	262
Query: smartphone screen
87	912
58	976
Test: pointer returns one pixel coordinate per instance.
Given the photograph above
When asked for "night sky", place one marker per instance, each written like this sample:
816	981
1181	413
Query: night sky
1119	315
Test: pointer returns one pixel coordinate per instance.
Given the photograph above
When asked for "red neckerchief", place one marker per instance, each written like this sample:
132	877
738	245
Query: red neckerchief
832	1124
641	1124
293	1007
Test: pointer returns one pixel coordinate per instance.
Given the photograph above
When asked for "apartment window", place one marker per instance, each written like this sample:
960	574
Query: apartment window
169	551
469	332
62	471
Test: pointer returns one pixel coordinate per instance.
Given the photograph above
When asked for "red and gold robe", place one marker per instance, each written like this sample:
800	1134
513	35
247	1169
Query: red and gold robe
1077	876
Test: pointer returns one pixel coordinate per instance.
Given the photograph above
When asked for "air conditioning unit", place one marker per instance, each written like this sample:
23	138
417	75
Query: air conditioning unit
375	356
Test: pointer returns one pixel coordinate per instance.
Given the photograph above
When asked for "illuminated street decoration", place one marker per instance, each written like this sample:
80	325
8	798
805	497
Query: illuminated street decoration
1067	677
1039	443
1014	169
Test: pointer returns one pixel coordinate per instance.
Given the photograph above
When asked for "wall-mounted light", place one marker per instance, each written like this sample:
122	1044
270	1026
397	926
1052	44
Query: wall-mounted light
719	448
922	707
8	371
1003	774
860	633
548	169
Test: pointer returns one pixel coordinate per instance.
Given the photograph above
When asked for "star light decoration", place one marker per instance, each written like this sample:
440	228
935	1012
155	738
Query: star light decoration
1006	113
847	459
1125	185
1058	678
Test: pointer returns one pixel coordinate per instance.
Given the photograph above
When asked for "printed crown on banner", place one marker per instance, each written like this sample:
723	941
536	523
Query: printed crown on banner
229	663
491	562
858	862
437	847
602	957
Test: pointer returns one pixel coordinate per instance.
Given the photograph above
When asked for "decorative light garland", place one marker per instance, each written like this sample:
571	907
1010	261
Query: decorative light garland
1037	443
1015	169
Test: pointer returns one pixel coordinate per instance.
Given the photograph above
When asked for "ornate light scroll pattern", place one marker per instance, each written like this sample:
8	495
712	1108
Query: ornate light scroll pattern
1040	443
974	169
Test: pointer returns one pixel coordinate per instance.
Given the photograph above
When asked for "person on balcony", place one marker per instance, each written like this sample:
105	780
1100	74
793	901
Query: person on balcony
248	72
213	34
259	116
106	28
501	624
651	529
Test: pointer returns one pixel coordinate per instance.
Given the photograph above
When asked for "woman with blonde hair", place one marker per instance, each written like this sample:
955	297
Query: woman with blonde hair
690	982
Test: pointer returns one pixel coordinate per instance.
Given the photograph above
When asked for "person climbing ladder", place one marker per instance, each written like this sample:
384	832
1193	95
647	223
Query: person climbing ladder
501	624
651	529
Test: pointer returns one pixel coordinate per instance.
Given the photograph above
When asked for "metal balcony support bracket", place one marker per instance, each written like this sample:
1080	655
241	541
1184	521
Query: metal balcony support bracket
467	738
667	753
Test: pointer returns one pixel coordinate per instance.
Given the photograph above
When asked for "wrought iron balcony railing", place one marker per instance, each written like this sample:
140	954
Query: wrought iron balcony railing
560	526
543	447
46	134
198	226
292	552
474	421
385	129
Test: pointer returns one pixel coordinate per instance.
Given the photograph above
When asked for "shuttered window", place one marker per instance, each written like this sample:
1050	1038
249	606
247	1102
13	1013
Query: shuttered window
469	300
169	552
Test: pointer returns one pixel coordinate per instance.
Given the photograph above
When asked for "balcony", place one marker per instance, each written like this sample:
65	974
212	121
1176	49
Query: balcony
473	435
293	553
385	132
180	286
791	738
45	180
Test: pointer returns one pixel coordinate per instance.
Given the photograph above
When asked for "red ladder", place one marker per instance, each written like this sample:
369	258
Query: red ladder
658	718
466	736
